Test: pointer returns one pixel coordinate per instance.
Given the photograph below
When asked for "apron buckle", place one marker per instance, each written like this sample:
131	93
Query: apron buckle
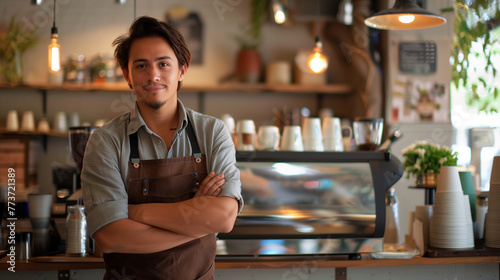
197	157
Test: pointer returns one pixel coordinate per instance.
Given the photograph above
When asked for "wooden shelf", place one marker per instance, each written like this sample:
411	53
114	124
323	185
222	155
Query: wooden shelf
335	89
55	133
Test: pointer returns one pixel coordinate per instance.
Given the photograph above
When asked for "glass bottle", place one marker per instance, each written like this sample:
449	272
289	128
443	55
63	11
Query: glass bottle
76	232
391	217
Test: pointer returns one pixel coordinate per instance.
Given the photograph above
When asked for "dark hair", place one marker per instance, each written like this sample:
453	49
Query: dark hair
150	27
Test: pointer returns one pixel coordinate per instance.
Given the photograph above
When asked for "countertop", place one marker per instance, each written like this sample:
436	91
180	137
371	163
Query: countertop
74	263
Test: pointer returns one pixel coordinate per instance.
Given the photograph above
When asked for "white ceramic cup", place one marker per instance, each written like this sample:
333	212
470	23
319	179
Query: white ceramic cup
291	139
60	123
246	135
332	134
12	123
229	122
43	126
74	119
312	135
279	72
39	205
268	138
28	121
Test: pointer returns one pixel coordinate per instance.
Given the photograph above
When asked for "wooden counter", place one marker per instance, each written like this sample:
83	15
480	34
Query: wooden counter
65	263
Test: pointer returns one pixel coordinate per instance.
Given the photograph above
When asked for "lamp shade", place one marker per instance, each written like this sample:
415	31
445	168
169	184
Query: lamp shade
405	14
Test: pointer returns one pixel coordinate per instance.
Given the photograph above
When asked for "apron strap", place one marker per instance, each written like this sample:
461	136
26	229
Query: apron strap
134	149
193	141
134	145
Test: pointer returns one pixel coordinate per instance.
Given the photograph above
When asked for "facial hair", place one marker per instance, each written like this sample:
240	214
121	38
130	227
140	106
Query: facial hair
155	105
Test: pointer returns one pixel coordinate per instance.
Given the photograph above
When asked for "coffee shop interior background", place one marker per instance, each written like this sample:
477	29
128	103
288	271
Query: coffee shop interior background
88	28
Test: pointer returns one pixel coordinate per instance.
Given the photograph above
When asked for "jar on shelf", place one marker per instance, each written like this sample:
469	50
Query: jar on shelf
103	69
75	70
76	232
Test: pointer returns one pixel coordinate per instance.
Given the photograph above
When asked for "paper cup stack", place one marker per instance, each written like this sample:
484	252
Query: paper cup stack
492	220
451	222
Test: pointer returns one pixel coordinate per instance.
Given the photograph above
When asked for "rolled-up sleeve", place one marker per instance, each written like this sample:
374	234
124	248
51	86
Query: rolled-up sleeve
223	161
104	193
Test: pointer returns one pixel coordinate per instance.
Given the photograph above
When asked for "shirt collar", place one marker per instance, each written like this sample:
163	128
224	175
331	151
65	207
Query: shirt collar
136	120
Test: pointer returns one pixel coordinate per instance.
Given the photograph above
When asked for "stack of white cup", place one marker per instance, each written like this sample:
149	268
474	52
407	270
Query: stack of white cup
291	139
332	134
246	135
492	220
312	136
451	222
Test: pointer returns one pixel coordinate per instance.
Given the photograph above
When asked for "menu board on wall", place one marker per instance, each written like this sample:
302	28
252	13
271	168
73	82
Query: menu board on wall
417	57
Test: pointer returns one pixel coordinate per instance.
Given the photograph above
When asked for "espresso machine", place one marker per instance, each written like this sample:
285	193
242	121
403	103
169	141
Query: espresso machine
310	203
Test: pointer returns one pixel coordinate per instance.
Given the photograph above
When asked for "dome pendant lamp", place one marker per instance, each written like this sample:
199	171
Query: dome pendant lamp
405	15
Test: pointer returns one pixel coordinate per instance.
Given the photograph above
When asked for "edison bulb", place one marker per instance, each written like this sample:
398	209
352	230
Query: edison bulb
317	62
279	17
54	54
406	18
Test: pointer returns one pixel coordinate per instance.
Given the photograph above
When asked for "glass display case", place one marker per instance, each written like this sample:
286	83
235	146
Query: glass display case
311	203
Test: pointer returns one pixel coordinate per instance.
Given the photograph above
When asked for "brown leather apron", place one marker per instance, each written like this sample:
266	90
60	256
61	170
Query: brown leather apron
165	181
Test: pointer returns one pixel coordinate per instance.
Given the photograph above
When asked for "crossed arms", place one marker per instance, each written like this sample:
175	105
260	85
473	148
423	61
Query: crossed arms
154	227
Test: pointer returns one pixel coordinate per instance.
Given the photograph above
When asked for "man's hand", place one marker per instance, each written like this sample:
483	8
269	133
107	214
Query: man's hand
211	185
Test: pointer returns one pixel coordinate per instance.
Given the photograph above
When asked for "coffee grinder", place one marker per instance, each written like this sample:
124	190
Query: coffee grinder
78	138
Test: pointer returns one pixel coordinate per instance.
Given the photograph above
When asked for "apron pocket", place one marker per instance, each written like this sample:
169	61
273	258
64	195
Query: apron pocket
167	189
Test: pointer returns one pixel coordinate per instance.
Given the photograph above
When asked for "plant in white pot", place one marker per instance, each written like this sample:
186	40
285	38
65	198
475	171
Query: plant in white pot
424	161
248	64
14	41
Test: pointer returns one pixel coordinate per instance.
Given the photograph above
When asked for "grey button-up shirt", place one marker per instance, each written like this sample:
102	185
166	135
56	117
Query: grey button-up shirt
105	165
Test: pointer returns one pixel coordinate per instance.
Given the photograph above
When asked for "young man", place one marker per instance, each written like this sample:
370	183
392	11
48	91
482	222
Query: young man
152	207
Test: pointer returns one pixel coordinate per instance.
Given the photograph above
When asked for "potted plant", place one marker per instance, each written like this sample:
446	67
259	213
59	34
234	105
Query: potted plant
13	43
424	161
477	35
248	65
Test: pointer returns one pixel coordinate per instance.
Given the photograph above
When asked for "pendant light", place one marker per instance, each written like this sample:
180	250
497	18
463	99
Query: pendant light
279	12
344	13
54	48
405	14
317	62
